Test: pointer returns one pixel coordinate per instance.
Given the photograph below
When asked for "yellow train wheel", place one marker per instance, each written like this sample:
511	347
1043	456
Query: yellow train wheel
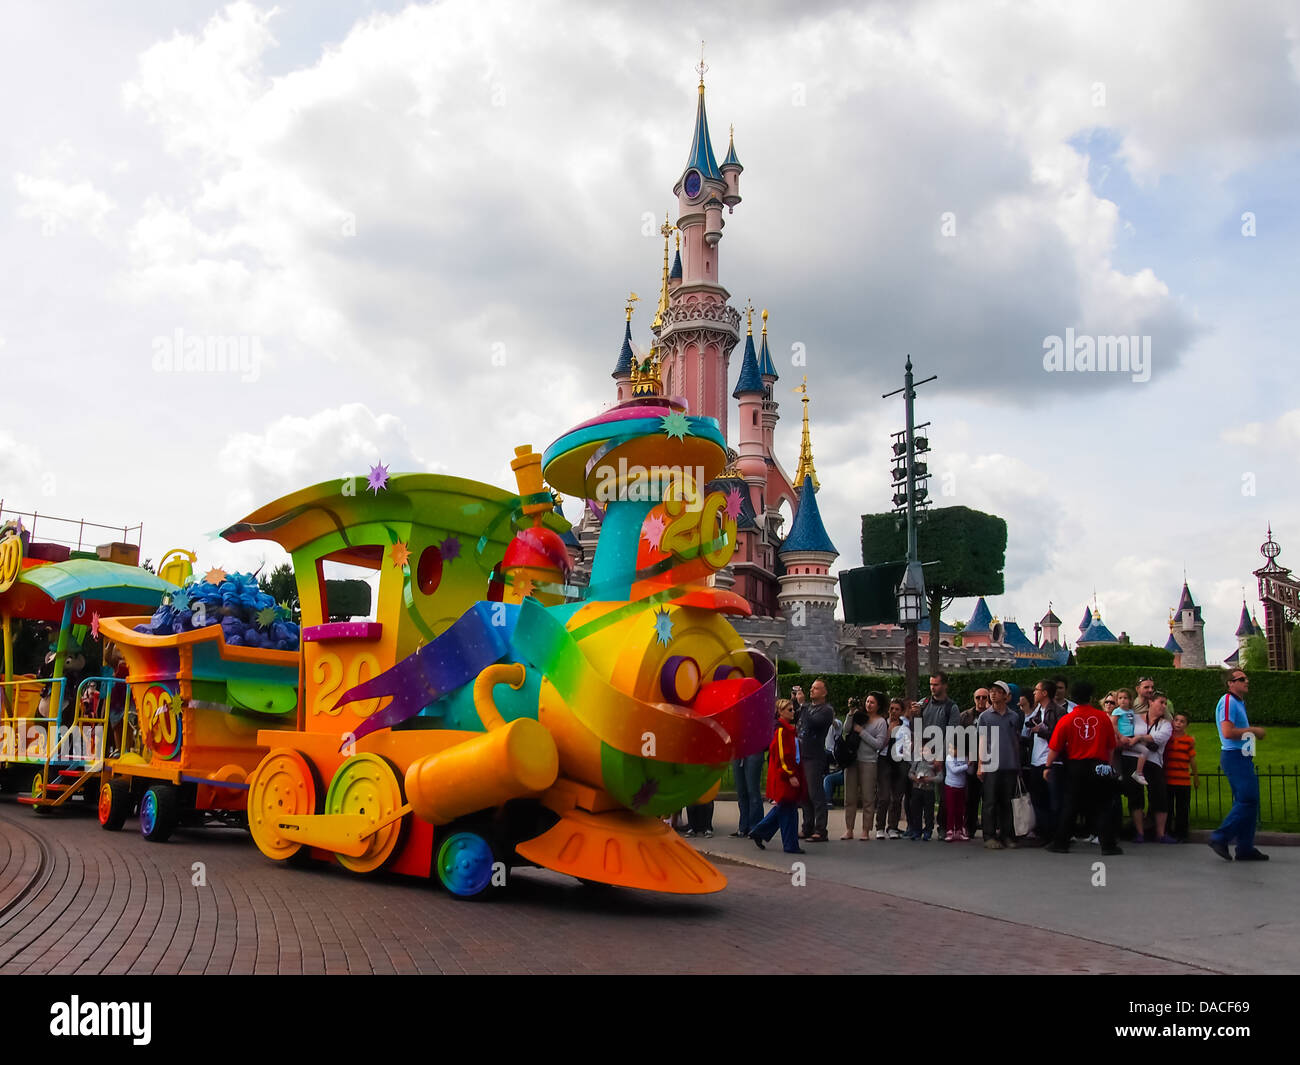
283	783
367	785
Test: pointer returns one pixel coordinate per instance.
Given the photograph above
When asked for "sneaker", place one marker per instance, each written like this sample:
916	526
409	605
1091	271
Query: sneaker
951	837
689	833
848	834
895	834
1010	844
1252	855
926	835
992	845
1220	848
1166	839
963	837
759	843
797	850
1139	839
1093	840
1138	778
708	833
880	833
739	834
865	836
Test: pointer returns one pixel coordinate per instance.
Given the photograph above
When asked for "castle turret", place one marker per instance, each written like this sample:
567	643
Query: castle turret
806	468
626	357
1051	626
1189	631
700	329
752	463
730	170
808	595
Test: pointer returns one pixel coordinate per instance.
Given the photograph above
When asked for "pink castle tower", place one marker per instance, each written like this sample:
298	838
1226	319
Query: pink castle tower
700	329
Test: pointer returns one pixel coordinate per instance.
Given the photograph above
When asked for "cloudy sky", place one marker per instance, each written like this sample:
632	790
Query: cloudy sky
423	220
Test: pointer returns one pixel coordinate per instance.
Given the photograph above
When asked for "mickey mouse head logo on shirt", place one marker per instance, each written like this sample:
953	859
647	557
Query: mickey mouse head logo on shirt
1086	727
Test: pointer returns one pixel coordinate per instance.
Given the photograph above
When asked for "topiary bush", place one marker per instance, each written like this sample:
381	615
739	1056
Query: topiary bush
1133	656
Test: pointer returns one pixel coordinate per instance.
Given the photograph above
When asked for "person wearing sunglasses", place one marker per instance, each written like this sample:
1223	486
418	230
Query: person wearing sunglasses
1235	759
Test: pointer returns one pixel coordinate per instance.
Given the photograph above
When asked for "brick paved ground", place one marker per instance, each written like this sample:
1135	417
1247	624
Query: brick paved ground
76	899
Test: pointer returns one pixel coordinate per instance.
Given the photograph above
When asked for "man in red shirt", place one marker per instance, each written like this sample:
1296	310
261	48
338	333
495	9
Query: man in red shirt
1085	738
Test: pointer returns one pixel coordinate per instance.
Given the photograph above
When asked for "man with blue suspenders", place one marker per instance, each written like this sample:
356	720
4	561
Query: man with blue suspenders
1234	728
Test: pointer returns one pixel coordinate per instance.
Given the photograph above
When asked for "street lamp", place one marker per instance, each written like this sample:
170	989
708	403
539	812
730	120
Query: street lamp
911	595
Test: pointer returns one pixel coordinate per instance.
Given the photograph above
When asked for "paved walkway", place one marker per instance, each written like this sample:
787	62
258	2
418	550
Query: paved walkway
1181	903
77	899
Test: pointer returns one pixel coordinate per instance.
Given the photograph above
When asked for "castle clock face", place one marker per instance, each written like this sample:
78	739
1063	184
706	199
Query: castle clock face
692	184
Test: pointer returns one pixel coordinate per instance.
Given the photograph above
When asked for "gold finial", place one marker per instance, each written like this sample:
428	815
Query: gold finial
661	314
749	317
703	67
765	331
806	467
632	298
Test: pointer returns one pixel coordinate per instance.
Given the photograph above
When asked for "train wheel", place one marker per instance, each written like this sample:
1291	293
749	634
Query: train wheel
38	792
465	863
367	784
159	813
114	804
283	783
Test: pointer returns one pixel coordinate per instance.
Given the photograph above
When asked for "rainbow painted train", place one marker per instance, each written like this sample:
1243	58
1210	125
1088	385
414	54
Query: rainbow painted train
491	715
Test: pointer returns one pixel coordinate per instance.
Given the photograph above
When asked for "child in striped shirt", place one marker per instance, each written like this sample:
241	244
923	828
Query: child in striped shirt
1180	776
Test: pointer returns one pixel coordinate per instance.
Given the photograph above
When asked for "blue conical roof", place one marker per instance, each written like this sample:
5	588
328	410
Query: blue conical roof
1096	632
702	157
732	159
625	356
981	618
1172	645
1087	619
676	271
807	533
766	366
750	381
1244	627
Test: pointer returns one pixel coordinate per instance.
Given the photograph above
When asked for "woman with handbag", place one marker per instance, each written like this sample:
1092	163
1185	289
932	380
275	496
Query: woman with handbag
866	734
785	784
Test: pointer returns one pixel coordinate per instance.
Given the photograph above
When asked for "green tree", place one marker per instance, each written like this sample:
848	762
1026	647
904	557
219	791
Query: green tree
282	587
967	548
1254	656
959	626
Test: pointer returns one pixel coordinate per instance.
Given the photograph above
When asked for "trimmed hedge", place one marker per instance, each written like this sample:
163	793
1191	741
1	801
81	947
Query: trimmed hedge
1274	696
1133	656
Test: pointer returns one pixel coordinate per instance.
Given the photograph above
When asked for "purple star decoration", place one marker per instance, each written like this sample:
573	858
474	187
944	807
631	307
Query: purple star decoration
450	548
377	478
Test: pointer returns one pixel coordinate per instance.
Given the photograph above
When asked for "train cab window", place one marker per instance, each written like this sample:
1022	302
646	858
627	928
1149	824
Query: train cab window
350	584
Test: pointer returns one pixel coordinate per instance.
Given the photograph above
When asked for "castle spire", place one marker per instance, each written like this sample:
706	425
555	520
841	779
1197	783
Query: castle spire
806	468
661	314
626	359
766	367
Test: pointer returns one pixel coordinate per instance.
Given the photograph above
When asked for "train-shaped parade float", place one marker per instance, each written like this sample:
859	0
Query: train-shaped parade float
485	714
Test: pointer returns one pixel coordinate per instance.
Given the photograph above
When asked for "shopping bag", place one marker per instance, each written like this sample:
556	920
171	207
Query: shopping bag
1022	810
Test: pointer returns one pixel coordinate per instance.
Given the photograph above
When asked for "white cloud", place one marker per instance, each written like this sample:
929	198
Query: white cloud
56	204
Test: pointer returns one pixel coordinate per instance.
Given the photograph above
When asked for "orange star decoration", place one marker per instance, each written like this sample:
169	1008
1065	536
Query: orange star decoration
524	586
401	554
215	575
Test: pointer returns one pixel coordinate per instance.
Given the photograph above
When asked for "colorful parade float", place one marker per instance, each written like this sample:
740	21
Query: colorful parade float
491	714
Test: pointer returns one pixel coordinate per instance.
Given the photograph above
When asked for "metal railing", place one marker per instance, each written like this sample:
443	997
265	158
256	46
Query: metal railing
30	521
1279	796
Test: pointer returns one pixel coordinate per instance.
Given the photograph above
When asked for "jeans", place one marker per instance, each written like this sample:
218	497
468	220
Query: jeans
1180	807
699	818
1244	815
920	807
974	793
815	806
999	787
829	781
889	791
1090	794
785	815
748	774
1039	794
